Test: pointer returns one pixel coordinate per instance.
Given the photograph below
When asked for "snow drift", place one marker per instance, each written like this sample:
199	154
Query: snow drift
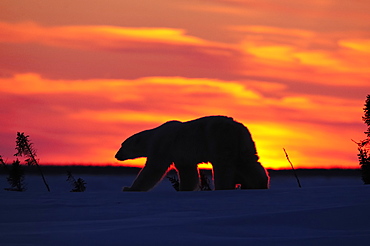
324	212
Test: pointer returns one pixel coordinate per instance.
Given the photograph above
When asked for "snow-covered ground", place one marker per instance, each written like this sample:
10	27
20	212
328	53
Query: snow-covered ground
326	211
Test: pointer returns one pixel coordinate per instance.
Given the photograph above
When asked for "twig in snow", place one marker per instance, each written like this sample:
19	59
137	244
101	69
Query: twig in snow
291	164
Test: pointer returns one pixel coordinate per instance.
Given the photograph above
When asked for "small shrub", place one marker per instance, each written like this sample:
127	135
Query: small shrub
3	164
364	161
16	177
78	185
175	182
204	181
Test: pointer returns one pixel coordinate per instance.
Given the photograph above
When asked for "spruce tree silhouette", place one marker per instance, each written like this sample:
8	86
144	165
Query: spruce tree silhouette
363	155
366	117
25	148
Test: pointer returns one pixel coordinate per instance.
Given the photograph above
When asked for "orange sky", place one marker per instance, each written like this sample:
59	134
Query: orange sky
81	76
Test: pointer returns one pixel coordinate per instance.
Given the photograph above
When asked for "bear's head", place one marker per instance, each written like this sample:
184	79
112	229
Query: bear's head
133	147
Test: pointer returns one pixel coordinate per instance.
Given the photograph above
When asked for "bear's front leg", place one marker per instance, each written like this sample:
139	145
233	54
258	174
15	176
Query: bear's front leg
189	177
224	176
149	176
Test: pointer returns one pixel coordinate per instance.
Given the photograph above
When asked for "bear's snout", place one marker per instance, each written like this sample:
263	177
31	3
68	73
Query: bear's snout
118	156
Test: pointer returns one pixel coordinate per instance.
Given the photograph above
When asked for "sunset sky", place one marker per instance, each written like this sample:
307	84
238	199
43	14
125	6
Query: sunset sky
81	76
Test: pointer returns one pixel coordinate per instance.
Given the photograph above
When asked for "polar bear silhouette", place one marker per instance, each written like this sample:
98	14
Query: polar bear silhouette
220	140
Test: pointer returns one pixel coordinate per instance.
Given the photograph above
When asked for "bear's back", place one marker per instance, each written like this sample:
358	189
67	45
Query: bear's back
202	139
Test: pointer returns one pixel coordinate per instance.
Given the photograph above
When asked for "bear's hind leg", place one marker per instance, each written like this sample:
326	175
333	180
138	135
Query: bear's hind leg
189	177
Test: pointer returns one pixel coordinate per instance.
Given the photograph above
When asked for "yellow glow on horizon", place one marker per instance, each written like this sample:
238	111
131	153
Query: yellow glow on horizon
138	162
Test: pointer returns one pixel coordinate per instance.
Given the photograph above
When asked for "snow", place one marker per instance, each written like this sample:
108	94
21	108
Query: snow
326	211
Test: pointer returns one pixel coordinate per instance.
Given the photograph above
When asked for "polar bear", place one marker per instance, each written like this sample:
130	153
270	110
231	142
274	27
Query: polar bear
220	140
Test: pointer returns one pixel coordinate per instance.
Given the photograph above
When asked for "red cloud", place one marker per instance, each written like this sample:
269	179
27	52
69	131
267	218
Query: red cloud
112	38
